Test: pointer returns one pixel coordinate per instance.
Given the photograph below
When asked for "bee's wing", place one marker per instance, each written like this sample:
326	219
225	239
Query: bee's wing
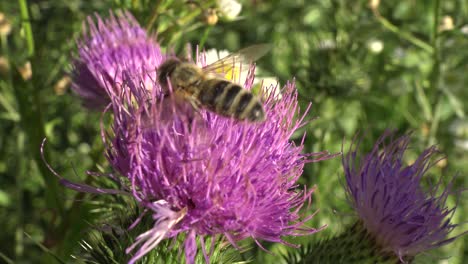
238	60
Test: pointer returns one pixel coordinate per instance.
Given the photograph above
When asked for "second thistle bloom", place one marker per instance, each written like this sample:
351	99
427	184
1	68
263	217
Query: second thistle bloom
402	217
107	49
397	218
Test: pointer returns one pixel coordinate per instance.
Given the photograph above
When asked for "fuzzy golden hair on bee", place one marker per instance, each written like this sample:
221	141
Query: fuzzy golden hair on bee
204	87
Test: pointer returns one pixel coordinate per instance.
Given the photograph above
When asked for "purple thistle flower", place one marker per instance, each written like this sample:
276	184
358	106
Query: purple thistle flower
203	174
196	172
107	49
403	219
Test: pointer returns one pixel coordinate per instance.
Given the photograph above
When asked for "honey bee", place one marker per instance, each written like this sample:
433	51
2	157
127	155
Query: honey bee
203	87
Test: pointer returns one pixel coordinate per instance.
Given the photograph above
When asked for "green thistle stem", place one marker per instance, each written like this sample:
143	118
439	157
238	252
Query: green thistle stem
403	34
434	77
26	25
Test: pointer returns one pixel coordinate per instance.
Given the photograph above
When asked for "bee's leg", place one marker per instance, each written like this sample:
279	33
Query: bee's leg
195	104
184	97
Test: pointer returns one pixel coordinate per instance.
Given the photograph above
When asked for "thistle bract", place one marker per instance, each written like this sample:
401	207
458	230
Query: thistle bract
107	49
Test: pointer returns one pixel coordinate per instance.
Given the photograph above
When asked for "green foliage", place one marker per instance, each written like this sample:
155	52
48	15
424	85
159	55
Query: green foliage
355	245
398	65
107	242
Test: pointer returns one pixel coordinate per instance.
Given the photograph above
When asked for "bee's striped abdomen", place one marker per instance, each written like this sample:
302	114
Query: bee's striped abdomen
242	104
232	92
256	112
229	99
211	92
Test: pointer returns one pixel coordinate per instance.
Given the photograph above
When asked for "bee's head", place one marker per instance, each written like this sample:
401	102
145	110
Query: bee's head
166	70
180	74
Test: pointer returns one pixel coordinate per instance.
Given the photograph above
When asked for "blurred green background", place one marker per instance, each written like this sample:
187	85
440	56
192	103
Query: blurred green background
366	66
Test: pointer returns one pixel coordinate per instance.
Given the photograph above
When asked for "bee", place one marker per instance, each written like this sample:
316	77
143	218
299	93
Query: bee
203	87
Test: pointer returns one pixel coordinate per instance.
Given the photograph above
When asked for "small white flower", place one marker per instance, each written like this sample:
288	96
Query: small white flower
229	9
269	85
5	25
374	4
459	128
213	55
459	131
446	24
326	44
462	144
375	46
464	29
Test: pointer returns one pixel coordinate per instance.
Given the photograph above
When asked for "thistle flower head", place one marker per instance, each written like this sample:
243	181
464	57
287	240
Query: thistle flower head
107	49
204	175
196	173
401	216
